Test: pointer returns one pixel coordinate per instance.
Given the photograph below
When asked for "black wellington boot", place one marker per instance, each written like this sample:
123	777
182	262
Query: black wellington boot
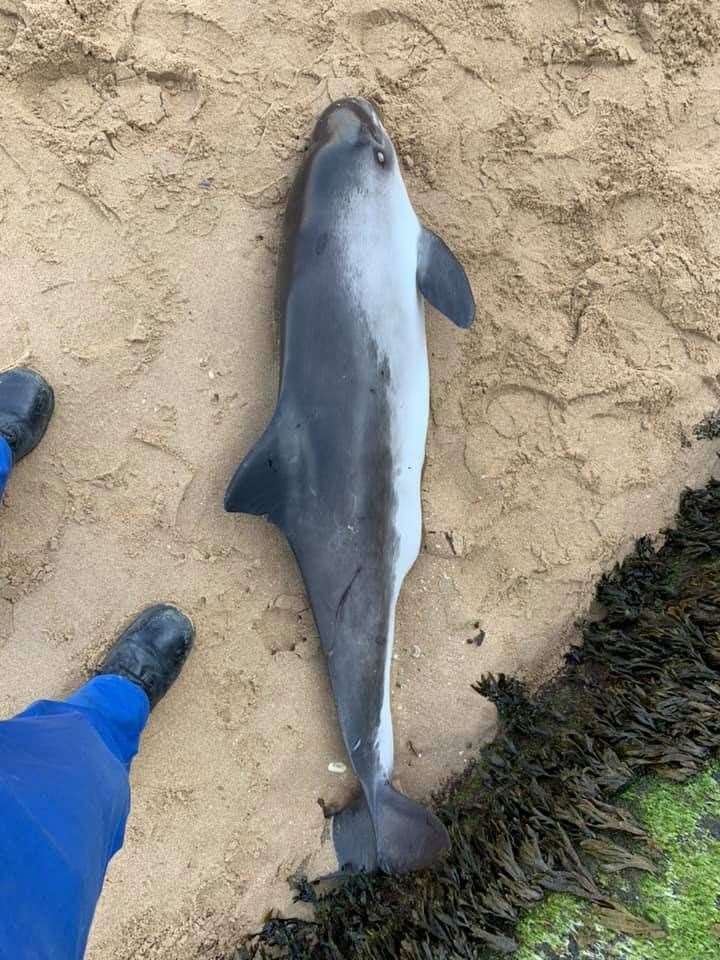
26	405
152	650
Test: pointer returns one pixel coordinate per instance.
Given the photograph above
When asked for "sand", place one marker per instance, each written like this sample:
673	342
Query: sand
567	152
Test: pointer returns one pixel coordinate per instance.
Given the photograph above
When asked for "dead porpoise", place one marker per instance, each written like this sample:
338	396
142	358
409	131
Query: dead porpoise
338	469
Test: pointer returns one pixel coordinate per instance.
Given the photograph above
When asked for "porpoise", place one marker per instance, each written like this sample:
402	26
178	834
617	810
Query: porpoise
339	467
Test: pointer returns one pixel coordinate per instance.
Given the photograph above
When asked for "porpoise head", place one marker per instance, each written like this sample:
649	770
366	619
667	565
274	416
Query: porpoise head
349	146
351	121
350	160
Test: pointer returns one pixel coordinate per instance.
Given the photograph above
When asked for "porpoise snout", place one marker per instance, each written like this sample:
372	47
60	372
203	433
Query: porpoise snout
349	119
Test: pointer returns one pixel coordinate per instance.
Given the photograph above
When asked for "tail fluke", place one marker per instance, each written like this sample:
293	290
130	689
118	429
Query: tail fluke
354	838
403	837
409	836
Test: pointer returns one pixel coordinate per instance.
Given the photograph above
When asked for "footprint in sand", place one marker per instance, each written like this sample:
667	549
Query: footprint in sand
9	25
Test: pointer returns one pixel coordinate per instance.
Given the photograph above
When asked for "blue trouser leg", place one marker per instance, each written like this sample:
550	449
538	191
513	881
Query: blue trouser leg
6	463
64	802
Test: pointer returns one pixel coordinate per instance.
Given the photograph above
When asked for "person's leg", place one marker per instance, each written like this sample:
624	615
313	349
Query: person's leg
64	800
6	463
64	790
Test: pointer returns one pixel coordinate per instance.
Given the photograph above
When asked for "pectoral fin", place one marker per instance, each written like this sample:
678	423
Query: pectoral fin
442	280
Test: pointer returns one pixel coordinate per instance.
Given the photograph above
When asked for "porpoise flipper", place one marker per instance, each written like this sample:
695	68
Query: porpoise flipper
258	485
406	836
442	280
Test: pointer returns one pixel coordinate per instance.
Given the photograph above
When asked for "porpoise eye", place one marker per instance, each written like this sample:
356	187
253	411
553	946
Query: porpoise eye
380	157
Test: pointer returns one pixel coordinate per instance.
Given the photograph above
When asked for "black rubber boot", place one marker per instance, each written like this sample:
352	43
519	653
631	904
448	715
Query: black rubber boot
26	405
152	650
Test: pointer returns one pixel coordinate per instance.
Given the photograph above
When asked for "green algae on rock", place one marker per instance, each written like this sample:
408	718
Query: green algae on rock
535	814
680	902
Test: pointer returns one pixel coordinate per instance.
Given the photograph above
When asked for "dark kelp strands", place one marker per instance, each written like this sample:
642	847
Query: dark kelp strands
534	814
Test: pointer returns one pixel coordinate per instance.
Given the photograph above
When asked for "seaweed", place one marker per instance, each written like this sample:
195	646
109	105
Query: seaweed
709	427
534	813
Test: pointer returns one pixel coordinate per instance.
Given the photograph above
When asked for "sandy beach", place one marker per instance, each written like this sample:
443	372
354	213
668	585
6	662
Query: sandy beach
568	153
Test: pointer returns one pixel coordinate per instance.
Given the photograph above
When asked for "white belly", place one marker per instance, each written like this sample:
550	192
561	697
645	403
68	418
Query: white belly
382	266
381	240
409	388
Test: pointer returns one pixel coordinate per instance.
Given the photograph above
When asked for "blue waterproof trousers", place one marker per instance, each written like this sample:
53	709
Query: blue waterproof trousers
64	802
6	463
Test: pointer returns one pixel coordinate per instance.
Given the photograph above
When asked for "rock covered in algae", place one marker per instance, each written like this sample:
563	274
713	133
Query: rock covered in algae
672	915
